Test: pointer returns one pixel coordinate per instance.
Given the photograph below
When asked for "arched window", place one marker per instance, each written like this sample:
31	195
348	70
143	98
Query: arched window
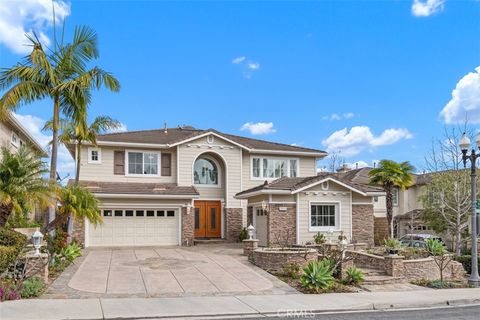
205	171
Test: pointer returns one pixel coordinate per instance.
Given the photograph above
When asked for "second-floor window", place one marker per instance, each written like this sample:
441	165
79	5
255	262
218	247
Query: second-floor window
142	163
94	155
205	172
273	168
15	139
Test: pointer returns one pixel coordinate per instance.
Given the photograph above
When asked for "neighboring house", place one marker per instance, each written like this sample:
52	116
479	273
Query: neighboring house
407	208
171	186
13	135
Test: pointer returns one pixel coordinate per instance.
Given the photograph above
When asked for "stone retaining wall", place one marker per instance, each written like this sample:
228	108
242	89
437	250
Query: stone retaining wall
427	269
366	260
272	260
363	223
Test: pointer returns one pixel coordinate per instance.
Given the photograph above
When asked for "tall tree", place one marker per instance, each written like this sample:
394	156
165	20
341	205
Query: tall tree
390	175
78	131
22	182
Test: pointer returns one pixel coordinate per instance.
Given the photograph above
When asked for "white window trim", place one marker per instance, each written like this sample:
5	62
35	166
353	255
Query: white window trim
396	203
89	155
159	155
338	215
272	158
219	169
17	138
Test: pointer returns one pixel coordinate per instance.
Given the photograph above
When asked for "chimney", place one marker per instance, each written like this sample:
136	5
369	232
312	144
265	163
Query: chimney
356	165
343	168
165	130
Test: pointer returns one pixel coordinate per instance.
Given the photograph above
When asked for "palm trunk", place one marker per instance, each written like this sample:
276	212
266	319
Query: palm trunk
54	155
79	156
5	212
389	192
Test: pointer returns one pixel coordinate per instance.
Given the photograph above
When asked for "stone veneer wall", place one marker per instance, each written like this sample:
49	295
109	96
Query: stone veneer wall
78	232
233	223
282	225
273	260
188	226
366	260
380	230
427	269
362	223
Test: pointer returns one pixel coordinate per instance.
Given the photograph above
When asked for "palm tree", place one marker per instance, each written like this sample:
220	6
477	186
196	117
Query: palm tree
78	131
79	202
60	75
391	174
22	182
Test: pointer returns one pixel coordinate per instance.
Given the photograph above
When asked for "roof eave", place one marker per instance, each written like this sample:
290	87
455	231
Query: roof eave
262	192
26	133
143	196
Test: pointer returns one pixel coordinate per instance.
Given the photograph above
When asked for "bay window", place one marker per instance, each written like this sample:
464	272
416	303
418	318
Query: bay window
273	168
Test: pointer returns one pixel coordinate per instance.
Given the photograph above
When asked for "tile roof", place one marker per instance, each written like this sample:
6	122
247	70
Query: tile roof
176	135
170	189
292	184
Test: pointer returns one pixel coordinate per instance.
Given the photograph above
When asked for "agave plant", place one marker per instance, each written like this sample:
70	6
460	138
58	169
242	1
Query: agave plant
317	275
354	276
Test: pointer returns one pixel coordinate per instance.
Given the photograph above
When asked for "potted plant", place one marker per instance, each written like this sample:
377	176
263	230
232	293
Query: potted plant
392	246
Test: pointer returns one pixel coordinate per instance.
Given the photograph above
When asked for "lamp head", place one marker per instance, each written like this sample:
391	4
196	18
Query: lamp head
464	143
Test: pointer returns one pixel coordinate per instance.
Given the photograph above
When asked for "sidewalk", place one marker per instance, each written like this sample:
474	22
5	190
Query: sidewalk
55	309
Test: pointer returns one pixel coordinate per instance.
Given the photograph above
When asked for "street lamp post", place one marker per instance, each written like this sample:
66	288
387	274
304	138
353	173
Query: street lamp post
474	278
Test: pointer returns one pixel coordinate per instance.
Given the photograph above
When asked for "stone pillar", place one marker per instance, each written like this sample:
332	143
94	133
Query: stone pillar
282	224
249	246
37	265
394	266
363	224
233	223
380	230
188	226
78	231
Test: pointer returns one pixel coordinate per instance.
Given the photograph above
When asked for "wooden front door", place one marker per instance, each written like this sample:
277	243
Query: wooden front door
207	219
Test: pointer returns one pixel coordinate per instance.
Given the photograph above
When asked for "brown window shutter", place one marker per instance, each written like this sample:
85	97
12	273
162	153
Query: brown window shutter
166	164
119	162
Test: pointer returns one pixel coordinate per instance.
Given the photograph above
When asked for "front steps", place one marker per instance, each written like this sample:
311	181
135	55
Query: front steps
379	277
208	241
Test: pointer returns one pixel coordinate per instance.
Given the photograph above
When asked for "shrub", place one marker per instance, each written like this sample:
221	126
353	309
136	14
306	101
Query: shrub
319	238
466	261
392	243
317	276
8	290
439	253
291	270
243	235
11	245
70	252
32	287
57	242
413	253
354	276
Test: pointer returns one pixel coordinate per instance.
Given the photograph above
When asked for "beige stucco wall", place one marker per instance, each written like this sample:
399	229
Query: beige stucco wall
104	170
334	194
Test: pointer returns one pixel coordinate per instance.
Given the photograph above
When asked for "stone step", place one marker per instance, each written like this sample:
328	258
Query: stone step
208	241
382	279
373	272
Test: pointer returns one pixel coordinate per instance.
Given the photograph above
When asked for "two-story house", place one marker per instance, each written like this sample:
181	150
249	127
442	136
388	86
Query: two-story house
174	185
13	135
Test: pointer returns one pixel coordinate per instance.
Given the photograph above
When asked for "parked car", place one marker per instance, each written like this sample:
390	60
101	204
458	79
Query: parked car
418	240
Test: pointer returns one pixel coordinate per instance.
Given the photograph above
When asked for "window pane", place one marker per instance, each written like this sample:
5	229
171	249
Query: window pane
205	171
323	215
197	218
118	213
150	213
293	168
139	213
135	162
107	213
160	213
256	167
128	213
150	163
171	213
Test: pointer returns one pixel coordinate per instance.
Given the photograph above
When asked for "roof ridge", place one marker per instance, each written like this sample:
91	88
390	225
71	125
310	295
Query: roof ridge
147	130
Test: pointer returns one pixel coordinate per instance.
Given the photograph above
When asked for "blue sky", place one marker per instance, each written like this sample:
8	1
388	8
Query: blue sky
367	78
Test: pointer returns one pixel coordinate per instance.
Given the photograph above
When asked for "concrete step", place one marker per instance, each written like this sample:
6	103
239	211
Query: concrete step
382	279
372	272
208	241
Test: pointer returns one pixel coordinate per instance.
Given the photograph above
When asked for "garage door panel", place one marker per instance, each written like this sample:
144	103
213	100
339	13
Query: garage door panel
119	229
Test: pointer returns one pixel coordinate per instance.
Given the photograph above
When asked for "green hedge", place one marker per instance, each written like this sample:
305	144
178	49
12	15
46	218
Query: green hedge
466	260
11	245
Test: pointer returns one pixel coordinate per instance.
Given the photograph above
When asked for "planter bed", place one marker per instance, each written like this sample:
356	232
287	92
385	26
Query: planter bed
273	259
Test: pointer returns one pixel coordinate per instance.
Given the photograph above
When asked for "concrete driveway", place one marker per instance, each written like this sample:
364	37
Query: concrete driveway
161	271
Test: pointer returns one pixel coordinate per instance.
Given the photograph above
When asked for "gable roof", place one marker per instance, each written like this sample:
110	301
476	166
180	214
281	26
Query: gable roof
175	136
294	185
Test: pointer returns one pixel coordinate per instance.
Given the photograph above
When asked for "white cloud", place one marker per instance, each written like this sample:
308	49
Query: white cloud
259	128
239	60
34	125
465	102
248	66
425	8
336	116
27	16
121	128
360	138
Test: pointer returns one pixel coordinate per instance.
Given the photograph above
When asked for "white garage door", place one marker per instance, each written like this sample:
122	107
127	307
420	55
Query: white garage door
142	227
